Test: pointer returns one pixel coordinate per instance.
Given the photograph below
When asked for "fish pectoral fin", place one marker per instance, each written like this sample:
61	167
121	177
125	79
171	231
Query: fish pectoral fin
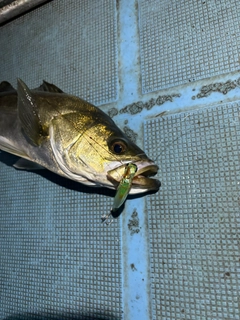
24	164
6	87
7	146
28	113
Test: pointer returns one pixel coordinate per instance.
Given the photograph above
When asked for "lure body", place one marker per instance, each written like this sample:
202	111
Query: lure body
124	186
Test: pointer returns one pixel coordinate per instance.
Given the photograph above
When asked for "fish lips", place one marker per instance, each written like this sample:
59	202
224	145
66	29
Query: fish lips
142	180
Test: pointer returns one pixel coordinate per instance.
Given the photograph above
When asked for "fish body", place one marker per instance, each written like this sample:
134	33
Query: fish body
48	128
124	186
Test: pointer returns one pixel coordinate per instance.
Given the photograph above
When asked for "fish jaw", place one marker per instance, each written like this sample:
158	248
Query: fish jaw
142	181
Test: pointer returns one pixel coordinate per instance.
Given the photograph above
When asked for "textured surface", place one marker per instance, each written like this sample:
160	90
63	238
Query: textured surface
182	41
57	261
194	220
74	47
57	258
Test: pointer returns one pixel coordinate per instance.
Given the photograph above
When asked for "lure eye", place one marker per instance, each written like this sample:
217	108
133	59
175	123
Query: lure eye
118	147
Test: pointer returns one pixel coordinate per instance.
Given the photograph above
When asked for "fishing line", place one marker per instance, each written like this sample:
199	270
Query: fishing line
176	139
235	121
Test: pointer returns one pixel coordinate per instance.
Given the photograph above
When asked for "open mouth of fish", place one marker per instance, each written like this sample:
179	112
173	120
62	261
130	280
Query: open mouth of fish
142	178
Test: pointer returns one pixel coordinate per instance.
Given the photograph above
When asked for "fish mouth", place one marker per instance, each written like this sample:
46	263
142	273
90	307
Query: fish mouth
142	180
143	177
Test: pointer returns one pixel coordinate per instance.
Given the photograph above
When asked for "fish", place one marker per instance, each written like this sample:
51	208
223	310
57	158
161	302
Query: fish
124	186
48	128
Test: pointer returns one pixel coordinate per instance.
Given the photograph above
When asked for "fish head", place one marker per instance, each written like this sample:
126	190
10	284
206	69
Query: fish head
91	149
124	151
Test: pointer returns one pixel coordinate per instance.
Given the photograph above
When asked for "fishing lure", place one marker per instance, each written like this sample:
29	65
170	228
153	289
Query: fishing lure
124	186
122	190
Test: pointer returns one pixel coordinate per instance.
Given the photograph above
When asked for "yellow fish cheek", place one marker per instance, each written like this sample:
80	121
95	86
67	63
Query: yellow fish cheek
83	156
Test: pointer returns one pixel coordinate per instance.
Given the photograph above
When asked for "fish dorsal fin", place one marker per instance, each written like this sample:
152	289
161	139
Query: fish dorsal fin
6	87
49	87
28	113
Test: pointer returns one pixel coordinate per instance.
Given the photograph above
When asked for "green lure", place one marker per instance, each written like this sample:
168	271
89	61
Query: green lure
124	186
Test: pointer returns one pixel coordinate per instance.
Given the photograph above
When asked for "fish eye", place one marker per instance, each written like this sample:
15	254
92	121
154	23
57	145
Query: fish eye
118	147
